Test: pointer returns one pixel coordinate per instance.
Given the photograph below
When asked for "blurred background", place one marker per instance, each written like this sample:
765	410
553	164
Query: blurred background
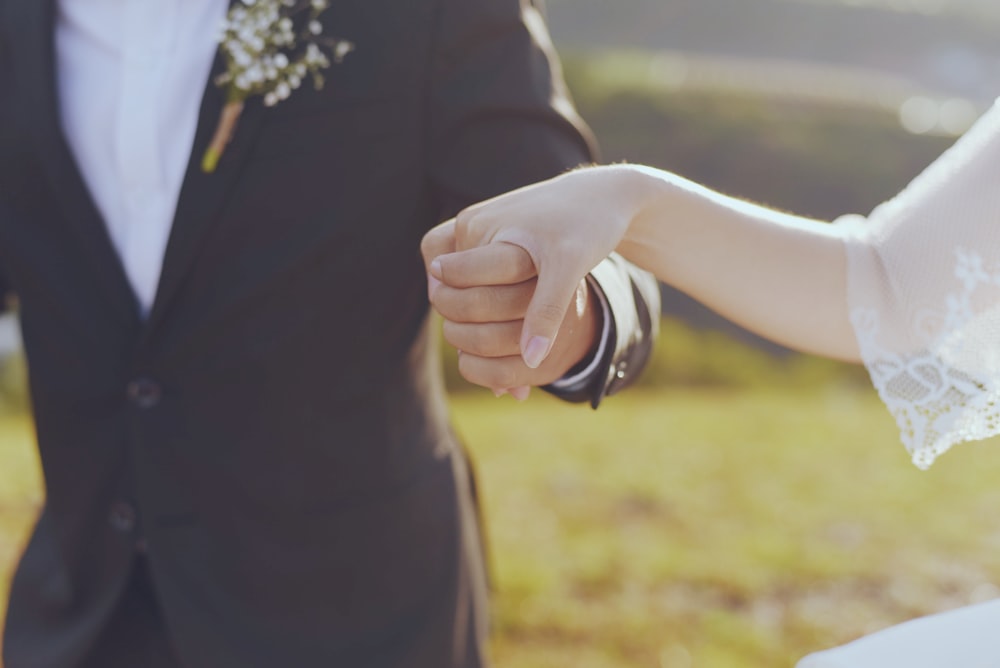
744	505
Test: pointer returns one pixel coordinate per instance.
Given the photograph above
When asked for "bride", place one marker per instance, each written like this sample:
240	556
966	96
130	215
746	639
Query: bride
912	291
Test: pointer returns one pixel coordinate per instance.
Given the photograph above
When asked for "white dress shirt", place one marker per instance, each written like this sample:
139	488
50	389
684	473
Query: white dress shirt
130	79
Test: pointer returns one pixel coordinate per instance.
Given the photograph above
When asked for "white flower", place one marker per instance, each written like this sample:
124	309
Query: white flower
255	74
266	57
315	57
341	50
241	57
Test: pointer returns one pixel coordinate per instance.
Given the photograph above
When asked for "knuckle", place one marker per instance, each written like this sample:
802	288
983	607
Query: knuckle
464	227
550	313
463	217
443	302
437	241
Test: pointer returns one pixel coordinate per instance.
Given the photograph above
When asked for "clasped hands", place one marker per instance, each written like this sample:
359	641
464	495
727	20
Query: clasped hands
508	277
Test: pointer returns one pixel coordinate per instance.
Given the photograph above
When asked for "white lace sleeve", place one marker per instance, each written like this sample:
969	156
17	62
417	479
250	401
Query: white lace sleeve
924	296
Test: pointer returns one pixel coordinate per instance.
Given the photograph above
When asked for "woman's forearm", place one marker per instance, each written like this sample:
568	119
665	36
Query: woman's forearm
780	276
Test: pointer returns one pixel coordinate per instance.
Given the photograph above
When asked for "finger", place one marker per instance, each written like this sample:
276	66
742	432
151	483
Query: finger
499	339
554	292
493	264
520	393
494	372
509	373
495	303
439	241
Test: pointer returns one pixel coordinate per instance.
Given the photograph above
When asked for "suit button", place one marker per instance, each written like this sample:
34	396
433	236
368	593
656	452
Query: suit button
122	517
144	393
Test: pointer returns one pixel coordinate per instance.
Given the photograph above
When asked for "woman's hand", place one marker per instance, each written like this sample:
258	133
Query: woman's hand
562	228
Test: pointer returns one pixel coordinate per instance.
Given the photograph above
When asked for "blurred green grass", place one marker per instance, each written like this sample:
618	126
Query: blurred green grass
727	528
692	527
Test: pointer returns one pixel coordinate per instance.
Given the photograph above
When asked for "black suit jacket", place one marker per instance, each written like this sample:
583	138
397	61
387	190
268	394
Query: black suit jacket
276	430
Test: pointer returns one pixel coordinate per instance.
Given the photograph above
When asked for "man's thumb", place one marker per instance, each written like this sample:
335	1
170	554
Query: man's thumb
545	314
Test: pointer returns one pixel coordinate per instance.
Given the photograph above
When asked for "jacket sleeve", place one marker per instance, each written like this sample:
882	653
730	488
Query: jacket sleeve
501	118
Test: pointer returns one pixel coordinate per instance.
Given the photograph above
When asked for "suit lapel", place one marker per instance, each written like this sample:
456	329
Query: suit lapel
33	59
203	196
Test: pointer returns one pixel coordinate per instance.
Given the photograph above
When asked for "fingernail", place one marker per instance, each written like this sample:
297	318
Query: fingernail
536	350
520	393
435	269
499	393
432	285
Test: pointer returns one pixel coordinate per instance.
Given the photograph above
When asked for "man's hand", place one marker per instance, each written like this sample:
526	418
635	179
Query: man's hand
484	295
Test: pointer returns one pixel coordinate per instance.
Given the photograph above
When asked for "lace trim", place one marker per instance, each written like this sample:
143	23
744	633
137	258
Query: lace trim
946	392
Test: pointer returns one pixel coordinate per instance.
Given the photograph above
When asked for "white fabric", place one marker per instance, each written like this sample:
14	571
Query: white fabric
924	296
130	80
965	638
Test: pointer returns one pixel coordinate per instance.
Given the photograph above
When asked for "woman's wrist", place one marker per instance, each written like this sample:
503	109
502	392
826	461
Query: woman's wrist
643	189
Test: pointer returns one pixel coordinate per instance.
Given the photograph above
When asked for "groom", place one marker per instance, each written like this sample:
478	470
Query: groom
247	454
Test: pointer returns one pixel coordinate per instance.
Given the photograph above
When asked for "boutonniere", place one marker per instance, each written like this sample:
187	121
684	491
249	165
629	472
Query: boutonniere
270	47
